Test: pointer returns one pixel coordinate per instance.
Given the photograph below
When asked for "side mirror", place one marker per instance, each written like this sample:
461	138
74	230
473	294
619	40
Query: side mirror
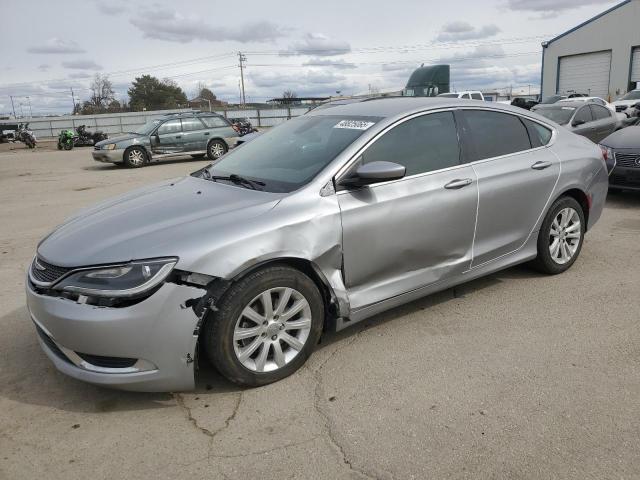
577	123
374	172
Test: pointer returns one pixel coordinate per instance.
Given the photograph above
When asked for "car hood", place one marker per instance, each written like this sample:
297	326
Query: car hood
628	137
628	103
181	217
121	138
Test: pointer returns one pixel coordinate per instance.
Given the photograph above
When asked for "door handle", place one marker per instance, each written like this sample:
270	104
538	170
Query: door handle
541	165
206	133
458	183
178	136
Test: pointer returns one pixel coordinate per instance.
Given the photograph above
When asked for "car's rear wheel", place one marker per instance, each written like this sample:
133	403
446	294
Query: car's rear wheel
561	236
265	326
135	157
215	149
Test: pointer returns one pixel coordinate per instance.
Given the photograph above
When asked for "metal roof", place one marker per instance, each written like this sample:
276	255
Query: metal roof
547	43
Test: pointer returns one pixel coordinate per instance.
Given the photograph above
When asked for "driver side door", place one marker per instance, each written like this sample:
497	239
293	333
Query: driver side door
404	234
168	138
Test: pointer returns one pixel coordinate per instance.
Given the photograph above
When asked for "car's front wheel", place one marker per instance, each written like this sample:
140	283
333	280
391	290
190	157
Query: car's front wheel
265	326
561	236
135	157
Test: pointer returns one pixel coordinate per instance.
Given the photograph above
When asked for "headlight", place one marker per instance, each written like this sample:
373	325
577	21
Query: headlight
127	280
109	146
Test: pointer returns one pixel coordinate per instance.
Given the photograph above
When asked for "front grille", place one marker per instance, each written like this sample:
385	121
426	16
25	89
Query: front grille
45	272
108	362
46	339
628	160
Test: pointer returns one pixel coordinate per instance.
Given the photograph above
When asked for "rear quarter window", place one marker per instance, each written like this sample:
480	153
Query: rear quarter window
538	134
214	122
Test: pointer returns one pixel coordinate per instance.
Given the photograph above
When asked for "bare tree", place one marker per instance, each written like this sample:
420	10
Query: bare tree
289	94
102	93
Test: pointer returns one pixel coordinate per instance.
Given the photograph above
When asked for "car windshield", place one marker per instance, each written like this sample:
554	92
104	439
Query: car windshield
148	127
632	95
292	154
558	114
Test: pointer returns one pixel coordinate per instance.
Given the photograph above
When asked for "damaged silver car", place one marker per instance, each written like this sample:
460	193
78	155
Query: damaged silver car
317	224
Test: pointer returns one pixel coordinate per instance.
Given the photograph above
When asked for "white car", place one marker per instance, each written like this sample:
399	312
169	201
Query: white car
466	95
597	100
627	101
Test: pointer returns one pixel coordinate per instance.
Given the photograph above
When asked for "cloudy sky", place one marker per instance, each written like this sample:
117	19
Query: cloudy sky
312	48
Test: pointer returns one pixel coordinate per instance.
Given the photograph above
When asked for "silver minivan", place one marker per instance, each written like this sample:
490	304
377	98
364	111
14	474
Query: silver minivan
317	224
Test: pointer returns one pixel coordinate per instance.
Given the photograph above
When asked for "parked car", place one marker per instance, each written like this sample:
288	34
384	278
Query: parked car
319	223
597	100
551	99
195	134
466	95
584	118
622	150
630	99
523	102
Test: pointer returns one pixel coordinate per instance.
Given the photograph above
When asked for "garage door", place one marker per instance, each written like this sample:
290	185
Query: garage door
585	73
635	65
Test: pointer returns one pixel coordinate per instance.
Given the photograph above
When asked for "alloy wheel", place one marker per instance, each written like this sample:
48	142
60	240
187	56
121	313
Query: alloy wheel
217	150
136	157
565	235
272	329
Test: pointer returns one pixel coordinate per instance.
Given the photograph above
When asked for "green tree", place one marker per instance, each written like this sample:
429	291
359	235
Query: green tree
151	93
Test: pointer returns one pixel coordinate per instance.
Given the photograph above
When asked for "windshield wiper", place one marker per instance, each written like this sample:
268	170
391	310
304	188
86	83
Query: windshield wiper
235	178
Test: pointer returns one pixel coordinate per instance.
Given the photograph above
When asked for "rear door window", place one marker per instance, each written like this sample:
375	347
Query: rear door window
191	124
476	96
583	114
492	134
599	113
422	144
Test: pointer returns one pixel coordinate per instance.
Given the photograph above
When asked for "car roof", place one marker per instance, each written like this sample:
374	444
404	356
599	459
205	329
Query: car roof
386	107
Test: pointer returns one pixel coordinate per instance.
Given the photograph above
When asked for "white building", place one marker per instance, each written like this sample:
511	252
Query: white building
600	57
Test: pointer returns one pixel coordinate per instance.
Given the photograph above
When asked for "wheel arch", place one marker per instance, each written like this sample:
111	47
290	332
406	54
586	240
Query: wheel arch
144	149
218	138
579	196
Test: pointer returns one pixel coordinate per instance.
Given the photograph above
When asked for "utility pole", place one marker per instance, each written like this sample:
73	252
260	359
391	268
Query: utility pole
242	58
73	99
13	106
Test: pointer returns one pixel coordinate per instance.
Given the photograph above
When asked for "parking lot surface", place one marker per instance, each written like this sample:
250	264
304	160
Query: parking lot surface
516	375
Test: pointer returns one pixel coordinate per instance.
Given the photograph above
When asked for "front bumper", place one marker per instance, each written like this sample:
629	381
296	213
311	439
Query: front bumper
157	332
625	178
108	156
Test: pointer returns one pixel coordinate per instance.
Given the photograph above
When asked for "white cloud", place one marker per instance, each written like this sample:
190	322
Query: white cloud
458	30
318	45
56	45
82	65
172	26
44	67
550	8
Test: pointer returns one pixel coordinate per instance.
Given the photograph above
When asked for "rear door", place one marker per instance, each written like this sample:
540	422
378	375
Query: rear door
193	137
168	138
583	124
604	122
516	177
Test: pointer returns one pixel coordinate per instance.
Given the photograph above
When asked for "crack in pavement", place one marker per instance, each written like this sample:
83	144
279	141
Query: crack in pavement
318	395
209	433
269	450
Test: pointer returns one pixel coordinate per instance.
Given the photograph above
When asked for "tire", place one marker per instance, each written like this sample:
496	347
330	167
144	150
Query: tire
59	146
68	146
198	155
135	157
553	261
239	360
215	149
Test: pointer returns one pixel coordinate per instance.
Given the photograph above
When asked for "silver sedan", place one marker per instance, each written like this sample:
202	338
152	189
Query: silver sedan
317	224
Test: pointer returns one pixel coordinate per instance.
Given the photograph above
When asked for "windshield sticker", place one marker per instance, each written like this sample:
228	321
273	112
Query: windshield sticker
568	108
354	124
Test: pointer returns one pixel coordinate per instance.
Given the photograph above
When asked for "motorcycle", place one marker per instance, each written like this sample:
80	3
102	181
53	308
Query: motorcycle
26	136
85	138
66	139
242	126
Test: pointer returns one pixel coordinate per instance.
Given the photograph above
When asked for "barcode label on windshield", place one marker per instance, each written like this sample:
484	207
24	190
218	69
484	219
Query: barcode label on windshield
354	124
